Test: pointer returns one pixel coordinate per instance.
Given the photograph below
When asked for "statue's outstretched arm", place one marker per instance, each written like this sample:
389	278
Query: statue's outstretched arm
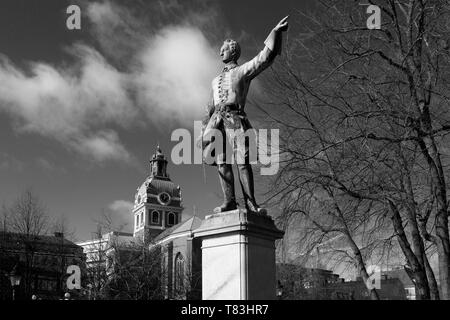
267	55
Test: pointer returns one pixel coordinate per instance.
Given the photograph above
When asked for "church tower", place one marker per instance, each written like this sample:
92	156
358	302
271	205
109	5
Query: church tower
157	204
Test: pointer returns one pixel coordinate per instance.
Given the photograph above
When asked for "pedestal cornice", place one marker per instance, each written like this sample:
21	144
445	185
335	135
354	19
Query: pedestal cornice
239	220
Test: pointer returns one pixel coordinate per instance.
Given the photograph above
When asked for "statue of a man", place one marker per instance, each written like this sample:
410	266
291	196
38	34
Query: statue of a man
226	111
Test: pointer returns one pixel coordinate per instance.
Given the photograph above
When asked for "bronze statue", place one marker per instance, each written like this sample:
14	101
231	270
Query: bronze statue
226	111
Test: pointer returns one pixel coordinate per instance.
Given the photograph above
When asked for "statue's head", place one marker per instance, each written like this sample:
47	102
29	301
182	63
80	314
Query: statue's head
230	51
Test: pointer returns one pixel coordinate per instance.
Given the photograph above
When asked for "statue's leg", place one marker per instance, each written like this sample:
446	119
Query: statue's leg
226	179
246	177
247	185
248	188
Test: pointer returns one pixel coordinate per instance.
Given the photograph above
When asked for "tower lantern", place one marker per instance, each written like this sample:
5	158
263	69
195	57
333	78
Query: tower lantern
158	164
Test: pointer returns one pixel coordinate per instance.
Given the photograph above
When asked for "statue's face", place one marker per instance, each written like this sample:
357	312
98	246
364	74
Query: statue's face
226	53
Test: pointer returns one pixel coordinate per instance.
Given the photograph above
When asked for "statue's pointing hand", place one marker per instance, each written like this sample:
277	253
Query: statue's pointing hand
282	25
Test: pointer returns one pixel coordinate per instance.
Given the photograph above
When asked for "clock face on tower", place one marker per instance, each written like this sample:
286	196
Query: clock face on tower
164	198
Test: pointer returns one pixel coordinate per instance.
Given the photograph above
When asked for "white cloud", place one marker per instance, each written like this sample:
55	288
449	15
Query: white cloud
10	163
122	206
165	73
105	145
178	66
116	28
69	105
121	211
173	62
49	166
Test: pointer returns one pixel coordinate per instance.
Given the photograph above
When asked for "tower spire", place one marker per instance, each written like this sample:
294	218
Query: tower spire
158	164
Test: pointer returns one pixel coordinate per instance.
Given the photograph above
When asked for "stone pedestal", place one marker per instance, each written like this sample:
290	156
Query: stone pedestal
238	256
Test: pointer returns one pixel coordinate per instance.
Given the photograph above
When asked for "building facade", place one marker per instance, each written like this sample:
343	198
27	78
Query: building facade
158	232
298	283
402	275
181	261
390	289
42	263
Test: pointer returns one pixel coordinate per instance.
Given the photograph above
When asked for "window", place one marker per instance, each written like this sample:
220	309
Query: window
179	274
137	220
155	217
171	219
142	218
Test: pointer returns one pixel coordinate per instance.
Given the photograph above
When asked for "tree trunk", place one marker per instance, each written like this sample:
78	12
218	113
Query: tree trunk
429	150
434	290
362	268
443	254
417	270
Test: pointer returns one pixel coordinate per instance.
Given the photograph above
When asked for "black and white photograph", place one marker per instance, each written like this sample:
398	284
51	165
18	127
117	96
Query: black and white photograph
224	158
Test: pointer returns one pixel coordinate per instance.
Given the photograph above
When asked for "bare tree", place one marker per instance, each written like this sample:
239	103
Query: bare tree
122	269
28	218
62	226
42	258
27	215
364	122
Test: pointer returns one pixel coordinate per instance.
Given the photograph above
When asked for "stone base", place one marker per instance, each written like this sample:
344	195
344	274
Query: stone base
238	256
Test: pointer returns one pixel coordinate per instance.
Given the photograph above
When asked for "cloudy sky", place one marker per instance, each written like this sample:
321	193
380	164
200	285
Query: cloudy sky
81	111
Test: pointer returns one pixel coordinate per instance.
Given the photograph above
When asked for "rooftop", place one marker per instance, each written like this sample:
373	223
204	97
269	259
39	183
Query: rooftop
181	228
11	239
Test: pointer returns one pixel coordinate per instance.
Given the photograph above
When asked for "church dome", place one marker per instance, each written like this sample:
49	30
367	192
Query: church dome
156	186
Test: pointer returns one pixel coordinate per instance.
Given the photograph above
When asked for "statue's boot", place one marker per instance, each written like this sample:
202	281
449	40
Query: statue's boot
248	189
226	178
